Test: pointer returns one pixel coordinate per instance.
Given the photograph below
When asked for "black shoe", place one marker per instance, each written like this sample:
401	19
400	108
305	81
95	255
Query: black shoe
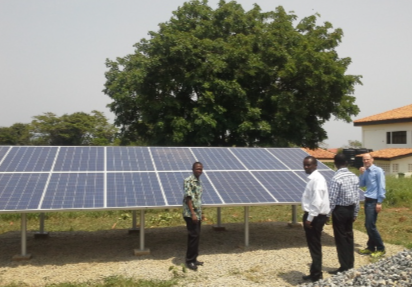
334	272
312	278
199	263
192	266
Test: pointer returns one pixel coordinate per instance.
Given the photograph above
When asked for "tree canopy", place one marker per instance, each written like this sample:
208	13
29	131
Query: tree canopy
70	129
228	77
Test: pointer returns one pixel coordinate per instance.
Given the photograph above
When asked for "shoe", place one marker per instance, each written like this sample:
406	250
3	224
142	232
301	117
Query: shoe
378	253
313	279
192	266
334	272
199	263
365	251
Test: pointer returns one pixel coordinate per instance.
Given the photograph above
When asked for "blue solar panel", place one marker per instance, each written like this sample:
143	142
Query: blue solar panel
129	159
29	159
172	159
292	157
133	189
286	186
239	187
217	159
74	190
21	191
80	159
258	159
3	151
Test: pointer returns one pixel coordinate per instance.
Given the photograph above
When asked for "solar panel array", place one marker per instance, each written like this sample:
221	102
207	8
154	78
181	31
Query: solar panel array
43	179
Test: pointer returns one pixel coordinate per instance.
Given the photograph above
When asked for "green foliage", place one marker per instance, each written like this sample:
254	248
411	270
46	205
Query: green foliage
75	129
230	77
117	281
17	134
398	192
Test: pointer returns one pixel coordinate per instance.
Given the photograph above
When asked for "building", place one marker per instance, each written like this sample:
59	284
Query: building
389	134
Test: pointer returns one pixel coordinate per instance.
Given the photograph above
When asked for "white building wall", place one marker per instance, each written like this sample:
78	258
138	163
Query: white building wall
374	136
394	167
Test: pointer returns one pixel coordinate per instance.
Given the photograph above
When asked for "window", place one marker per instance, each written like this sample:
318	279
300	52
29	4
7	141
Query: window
396	137
385	166
409	167
395	168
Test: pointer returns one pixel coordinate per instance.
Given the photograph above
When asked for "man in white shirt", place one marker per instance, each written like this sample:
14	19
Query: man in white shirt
315	204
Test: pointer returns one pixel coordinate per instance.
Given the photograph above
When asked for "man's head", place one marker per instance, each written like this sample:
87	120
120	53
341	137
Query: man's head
197	169
340	160
367	160
310	164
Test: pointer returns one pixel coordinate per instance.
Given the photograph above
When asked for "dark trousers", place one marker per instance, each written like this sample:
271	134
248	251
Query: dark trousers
371	216
342	217
313	238
193	239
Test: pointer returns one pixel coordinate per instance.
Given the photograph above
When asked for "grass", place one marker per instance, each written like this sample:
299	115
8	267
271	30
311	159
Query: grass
394	224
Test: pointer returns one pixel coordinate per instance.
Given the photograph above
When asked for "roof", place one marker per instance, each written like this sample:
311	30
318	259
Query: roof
320	153
390	153
399	115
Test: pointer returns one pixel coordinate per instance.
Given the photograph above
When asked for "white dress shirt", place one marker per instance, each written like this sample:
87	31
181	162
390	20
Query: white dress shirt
315	198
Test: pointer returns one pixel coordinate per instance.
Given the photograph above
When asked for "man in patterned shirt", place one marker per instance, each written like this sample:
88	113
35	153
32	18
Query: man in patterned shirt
192	214
344	206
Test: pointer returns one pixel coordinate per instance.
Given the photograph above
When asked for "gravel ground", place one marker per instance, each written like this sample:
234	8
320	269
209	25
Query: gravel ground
277	256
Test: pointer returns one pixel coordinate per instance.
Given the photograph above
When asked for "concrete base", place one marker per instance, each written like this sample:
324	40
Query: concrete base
41	235
138	252
219	228
134	231
291	224
21	257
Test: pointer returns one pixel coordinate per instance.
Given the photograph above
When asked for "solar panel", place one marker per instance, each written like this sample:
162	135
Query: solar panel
258	159
80	159
29	159
74	191
21	191
240	188
134	189
286	186
218	159
172	159
129	159
65	178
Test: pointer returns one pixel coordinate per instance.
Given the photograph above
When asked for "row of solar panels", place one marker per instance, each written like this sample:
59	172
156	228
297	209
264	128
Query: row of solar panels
67	178
76	159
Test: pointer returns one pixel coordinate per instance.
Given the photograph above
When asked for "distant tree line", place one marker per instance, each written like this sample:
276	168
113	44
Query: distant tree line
77	129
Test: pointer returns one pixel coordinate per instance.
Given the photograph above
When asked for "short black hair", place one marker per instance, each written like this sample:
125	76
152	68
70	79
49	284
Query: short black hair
340	159
312	158
196	163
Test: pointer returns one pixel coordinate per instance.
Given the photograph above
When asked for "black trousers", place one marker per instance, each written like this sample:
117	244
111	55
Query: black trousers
193	239
313	238
342	217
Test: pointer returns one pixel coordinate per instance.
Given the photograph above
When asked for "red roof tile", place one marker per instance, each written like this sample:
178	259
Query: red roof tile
320	153
390	153
396	114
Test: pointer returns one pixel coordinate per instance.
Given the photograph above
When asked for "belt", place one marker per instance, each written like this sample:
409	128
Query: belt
370	199
317	215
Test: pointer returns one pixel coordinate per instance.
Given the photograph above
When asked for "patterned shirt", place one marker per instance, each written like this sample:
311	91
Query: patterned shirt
344	190
374	180
192	188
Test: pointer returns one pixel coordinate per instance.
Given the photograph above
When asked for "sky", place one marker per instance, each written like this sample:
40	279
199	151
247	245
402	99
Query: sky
53	52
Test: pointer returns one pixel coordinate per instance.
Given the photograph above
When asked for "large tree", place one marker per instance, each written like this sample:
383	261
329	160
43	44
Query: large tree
229	77
17	134
72	129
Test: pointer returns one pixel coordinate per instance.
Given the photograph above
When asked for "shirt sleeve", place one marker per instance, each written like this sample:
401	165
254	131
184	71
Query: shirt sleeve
362	180
381	186
333	194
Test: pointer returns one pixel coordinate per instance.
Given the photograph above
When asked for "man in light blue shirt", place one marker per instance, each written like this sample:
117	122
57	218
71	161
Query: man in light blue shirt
373	178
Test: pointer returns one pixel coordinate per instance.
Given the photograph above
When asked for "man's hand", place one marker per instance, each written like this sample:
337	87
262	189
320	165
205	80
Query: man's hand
378	207
354	219
194	218
308	224
362	169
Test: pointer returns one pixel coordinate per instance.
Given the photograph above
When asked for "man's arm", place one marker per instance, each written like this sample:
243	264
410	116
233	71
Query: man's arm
192	210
